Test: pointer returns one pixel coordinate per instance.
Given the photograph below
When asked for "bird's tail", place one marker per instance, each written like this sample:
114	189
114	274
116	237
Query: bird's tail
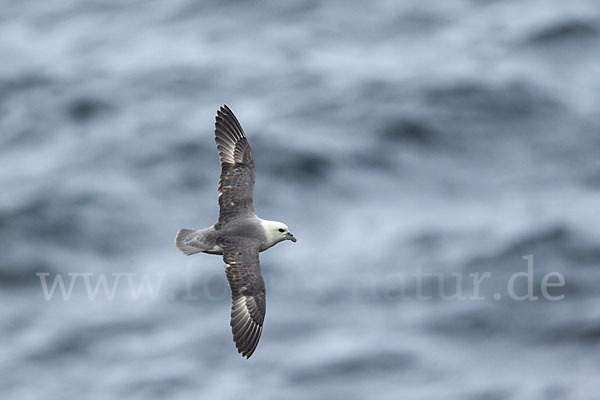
181	242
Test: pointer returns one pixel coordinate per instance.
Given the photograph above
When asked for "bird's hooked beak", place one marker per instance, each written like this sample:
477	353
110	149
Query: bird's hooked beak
291	237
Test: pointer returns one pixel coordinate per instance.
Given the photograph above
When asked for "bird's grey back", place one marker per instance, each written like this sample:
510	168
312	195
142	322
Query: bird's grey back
248	227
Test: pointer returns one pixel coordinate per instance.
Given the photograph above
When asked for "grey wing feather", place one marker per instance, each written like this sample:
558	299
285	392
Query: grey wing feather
247	291
236	185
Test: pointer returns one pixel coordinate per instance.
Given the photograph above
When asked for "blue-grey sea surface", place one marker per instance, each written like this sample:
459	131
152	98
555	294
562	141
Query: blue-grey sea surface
411	147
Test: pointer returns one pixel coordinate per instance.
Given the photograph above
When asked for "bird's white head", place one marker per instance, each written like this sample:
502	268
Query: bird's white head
276	232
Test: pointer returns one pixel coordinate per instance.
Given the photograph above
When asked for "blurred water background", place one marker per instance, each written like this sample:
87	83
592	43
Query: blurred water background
391	136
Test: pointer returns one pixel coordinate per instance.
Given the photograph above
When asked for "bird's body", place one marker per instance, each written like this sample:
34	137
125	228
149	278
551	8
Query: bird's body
239	234
206	240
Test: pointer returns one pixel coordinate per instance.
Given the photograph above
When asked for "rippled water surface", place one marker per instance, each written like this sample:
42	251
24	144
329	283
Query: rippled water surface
410	146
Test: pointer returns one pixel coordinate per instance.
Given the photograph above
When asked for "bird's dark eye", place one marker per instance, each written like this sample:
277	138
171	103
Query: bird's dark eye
281	230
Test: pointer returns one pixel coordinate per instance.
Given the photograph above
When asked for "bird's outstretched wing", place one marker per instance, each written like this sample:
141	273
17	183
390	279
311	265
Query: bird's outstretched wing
247	291
236	186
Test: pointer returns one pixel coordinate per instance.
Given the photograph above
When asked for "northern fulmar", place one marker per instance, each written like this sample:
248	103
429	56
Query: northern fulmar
239	234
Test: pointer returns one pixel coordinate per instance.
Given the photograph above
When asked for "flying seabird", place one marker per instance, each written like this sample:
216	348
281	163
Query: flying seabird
239	234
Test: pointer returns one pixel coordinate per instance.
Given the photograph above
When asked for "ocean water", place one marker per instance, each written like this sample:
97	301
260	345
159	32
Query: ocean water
412	147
